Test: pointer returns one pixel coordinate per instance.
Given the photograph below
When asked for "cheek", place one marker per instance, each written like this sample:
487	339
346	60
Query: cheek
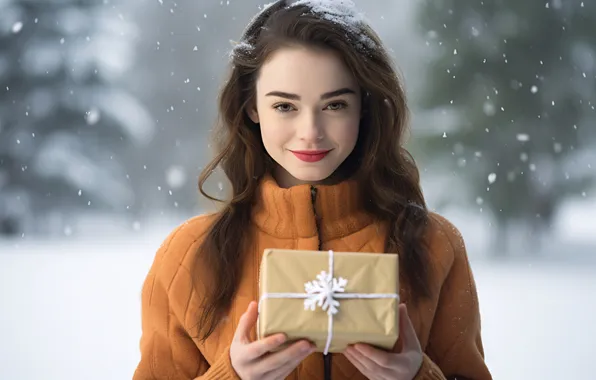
275	134
346	134
353	132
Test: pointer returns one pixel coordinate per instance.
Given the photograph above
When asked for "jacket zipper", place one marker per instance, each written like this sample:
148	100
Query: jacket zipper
313	196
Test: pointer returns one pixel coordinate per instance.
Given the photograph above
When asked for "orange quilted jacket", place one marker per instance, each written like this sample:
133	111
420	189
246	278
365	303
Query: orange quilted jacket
447	324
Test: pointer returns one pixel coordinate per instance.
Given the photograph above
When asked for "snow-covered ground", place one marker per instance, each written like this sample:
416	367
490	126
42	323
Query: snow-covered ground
70	309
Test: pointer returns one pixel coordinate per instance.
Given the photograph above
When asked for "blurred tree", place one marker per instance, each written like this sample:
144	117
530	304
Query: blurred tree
512	86
64	120
185	51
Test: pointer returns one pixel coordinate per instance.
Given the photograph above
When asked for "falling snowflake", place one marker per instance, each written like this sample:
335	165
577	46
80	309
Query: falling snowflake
489	108
176	177
17	27
92	116
320	293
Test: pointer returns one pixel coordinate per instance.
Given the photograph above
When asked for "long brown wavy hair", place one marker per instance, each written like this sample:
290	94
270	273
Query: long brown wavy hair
385	171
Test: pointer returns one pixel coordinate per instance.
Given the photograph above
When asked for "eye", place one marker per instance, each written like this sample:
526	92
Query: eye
284	107
336	106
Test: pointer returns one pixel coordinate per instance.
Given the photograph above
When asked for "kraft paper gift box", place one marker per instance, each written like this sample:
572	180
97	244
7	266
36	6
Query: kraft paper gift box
332	299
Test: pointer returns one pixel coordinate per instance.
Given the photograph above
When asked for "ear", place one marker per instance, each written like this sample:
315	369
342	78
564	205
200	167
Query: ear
253	115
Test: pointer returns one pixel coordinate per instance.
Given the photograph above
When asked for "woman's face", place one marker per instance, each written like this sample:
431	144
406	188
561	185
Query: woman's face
308	106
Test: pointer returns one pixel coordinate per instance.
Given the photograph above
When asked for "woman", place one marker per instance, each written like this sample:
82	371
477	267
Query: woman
312	124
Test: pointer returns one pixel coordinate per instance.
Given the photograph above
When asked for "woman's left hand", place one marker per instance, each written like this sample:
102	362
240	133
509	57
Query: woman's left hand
376	364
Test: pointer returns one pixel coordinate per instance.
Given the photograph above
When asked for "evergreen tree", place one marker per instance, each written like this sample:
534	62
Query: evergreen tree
64	120
513	85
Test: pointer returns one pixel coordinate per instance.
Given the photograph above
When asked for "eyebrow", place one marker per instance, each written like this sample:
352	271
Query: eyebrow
327	95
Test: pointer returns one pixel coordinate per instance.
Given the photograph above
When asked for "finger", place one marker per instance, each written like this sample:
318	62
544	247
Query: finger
279	373
355	360
284	371
262	346
371	368
380	358
410	339
288	358
369	364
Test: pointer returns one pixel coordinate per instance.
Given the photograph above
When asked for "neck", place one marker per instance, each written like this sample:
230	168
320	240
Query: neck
285	180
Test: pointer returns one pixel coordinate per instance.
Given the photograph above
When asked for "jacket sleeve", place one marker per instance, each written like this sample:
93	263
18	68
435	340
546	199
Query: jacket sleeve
167	349
455	348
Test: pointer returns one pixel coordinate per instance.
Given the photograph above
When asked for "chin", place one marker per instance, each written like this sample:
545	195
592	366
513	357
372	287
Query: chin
311	175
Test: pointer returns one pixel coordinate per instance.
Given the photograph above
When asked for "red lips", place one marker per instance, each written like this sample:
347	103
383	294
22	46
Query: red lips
310	155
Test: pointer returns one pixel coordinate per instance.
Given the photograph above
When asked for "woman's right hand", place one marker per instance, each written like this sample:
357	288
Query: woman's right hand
254	360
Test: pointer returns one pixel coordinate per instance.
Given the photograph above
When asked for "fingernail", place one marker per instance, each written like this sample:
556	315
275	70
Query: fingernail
306	349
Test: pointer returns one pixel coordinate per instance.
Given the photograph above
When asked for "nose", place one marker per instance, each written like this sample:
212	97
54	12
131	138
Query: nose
310	127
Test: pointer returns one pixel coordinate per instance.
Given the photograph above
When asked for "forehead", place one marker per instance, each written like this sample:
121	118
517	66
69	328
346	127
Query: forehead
304	71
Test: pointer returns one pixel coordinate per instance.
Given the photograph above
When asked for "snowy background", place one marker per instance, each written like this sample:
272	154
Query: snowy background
105	113
71	309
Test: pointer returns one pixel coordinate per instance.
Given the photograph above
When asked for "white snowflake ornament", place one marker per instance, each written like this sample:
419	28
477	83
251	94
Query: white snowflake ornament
321	293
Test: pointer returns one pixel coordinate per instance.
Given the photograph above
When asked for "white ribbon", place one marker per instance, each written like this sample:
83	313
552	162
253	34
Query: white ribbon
325	293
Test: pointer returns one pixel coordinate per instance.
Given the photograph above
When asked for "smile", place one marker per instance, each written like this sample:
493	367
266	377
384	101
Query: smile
310	155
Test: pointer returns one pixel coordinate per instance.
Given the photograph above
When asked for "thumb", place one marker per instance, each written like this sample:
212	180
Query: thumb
407	331
246	323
